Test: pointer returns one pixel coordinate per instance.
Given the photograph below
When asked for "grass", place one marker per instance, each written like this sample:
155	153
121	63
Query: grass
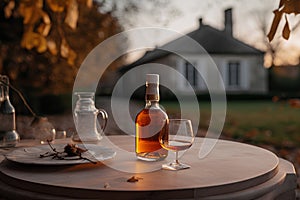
256	122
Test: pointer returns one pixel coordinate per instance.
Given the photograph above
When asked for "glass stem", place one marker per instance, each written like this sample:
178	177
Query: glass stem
176	154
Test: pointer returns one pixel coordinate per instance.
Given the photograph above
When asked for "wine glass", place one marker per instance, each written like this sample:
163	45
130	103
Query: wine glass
178	136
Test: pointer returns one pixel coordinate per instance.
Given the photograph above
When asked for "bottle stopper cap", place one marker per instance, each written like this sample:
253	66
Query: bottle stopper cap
152	78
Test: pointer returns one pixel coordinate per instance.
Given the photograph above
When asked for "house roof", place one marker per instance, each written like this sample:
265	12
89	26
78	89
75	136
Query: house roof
214	41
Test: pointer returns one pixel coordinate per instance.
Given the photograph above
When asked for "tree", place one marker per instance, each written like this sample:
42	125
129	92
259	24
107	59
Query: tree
271	49
43	42
285	8
274	38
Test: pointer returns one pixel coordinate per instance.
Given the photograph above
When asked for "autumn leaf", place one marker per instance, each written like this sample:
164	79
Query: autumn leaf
32	40
275	23
286	30
281	3
64	48
89	3
56	5
72	57
9	8
46	18
52	47
42	46
32	12
252	133
67	52
291	6
134	179
44	28
72	14
26	12
287	7
294	103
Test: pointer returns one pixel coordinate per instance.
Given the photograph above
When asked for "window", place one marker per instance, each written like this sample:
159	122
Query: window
234	74
191	74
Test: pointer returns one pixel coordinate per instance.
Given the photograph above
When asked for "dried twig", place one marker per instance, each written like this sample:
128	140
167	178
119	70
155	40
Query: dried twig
22	98
69	152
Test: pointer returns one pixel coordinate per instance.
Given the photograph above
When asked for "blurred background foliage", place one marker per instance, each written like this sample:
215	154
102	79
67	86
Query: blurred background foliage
44	42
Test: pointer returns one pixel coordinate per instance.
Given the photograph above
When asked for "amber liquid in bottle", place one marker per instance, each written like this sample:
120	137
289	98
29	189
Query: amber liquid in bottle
150	123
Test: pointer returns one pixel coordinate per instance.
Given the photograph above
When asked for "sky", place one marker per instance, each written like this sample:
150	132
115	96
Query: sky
246	19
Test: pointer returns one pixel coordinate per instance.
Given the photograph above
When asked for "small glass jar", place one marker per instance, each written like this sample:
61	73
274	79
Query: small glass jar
43	130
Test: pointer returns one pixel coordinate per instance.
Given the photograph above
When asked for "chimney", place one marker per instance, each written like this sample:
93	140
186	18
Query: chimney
228	21
200	22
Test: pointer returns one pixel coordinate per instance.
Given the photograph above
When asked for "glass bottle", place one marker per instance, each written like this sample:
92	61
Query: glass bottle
8	135
149	123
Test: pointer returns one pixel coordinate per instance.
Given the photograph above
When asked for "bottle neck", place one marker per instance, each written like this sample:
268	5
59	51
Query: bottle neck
152	94
5	92
4	87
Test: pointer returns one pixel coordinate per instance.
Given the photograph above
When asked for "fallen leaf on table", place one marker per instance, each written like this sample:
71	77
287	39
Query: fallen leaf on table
134	179
106	185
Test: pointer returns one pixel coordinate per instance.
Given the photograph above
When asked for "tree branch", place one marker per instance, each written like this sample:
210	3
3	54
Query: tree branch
22	98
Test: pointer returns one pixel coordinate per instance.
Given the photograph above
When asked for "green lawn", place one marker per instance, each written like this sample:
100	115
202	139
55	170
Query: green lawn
256	122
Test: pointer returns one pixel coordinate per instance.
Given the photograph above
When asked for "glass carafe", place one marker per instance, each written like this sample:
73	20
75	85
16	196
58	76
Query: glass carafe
85	117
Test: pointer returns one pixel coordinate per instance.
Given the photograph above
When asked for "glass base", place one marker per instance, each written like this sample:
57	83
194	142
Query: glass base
151	156
175	166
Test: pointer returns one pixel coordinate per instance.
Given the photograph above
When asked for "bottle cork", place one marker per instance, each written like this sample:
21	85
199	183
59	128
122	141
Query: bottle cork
152	78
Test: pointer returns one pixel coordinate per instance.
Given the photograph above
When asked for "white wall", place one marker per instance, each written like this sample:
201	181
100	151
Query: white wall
253	76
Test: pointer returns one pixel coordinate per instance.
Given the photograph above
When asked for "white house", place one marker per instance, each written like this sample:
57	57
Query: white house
240	65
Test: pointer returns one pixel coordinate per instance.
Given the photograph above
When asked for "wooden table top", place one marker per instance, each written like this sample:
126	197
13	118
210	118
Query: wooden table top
231	167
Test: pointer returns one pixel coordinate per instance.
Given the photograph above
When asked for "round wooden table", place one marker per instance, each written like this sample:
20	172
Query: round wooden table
230	171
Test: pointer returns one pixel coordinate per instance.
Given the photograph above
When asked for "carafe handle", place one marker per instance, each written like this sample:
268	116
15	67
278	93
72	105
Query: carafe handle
104	116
